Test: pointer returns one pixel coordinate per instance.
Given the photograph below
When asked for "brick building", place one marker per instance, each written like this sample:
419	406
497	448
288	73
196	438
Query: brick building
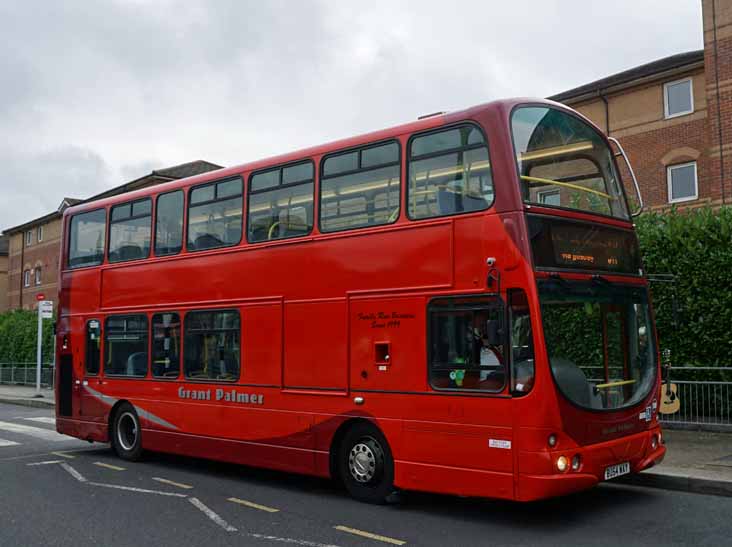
3	273
673	117
34	248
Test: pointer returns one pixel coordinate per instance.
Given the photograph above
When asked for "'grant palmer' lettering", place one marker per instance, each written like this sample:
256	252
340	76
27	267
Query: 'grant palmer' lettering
227	395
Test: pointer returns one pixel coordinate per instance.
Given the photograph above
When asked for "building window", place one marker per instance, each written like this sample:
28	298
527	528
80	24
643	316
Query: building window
125	345
281	203
682	182
129	231
360	188
26	278
449	173
214	215
678	98
211	345
40	234
28	238
38	275
551	197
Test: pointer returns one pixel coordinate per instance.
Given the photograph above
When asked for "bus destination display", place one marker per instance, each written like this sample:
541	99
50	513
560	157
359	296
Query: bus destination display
559	244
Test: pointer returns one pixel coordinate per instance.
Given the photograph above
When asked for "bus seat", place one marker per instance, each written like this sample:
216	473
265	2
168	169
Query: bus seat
136	364
449	201
129	252
572	380
207	241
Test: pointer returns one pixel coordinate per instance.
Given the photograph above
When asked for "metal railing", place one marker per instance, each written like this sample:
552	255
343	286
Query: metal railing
24	374
704	396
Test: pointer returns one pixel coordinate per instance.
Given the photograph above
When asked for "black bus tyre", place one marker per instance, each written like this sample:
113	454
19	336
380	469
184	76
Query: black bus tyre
126	433
365	464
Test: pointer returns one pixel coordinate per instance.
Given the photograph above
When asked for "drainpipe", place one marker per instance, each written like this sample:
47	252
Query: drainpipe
719	110
22	272
603	98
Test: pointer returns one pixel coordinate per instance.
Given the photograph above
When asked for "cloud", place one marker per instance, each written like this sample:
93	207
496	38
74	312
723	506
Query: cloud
96	94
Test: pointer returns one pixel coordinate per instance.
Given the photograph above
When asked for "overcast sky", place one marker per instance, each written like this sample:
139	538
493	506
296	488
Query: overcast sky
95	94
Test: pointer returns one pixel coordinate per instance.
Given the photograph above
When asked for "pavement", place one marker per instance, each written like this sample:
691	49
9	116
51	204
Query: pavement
27	396
696	461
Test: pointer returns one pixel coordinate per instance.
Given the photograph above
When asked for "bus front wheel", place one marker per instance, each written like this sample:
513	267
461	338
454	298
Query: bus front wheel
126	433
365	464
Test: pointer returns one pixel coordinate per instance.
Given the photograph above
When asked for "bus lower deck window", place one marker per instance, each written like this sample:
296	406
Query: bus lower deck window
212	345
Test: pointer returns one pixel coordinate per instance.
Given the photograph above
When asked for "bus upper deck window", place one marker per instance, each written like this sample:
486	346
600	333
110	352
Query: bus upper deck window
215	215
449	173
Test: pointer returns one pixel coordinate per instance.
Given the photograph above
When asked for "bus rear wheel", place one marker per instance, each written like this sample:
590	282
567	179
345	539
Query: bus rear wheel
126	433
365	464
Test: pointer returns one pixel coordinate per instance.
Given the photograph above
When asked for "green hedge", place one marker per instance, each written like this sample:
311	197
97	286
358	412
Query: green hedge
18	337
696	248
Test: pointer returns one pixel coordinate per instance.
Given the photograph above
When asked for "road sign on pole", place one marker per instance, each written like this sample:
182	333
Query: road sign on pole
45	311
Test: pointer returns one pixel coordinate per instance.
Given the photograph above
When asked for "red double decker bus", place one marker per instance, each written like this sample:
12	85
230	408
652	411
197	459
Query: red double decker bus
453	305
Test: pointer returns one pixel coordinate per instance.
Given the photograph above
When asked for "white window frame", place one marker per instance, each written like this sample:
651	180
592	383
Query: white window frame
40	233
541	193
26	278
666	113
28	238
670	186
37	275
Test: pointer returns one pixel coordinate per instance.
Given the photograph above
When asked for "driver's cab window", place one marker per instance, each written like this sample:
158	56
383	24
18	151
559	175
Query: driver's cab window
93	349
467	344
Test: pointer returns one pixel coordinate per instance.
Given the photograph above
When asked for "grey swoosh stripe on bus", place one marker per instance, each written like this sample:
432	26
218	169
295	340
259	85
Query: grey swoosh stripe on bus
106	399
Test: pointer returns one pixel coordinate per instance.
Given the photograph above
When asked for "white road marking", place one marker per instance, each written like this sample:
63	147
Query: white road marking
173	483
369	535
38	432
73	472
292	541
139	490
3	442
43	420
45	463
110	466
254	505
210	514
63	455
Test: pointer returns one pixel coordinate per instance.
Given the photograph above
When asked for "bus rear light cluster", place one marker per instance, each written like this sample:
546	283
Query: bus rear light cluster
654	442
562	464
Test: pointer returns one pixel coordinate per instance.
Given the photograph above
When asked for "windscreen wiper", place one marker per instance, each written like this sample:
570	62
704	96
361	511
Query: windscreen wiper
601	280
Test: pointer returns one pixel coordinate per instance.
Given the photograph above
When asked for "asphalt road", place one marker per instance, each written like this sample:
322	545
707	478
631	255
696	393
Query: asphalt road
89	497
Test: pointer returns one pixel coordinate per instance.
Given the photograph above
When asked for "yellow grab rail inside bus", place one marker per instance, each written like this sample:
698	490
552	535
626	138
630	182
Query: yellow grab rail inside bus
568	185
613	384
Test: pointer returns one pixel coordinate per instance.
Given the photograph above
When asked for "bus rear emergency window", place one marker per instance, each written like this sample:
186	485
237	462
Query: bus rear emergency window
86	241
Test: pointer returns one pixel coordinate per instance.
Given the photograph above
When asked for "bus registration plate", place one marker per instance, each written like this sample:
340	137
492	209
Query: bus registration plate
617	470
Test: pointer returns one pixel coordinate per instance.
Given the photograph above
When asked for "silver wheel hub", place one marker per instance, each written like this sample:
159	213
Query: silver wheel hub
127	431
362	462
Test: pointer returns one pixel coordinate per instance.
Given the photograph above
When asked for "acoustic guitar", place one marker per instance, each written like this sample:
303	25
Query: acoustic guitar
670	401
